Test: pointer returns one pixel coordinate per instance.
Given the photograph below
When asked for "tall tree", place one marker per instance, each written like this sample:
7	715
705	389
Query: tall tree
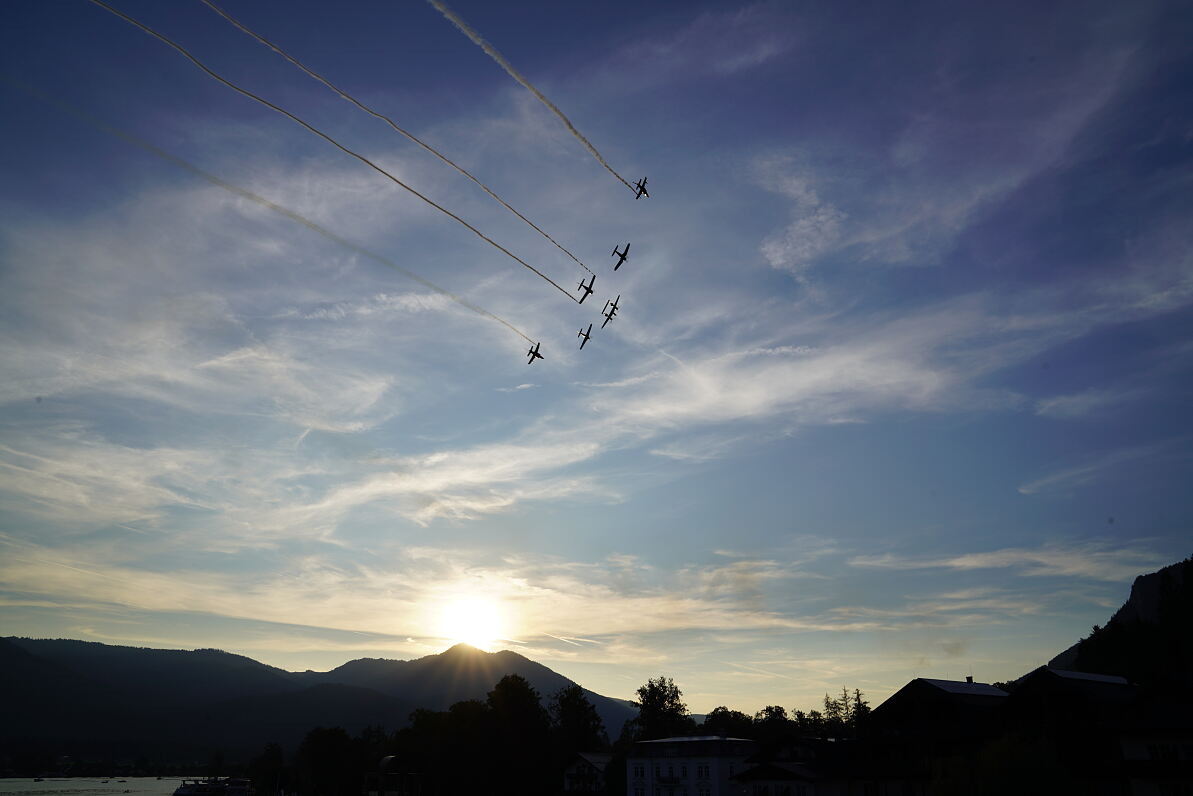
521	725
516	707
576	723
266	770
859	709
836	714
324	763
723	721
661	710
772	728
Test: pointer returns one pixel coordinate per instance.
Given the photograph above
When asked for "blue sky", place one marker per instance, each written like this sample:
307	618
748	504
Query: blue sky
899	386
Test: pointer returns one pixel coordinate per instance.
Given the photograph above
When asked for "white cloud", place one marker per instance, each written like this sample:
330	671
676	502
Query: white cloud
815	227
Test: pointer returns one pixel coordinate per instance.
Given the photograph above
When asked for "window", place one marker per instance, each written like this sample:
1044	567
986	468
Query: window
683	772
671	771
1163	751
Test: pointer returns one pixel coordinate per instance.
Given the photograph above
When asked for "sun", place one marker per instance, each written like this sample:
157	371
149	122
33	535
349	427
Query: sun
473	620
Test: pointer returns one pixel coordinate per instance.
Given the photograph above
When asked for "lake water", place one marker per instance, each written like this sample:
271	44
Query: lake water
90	786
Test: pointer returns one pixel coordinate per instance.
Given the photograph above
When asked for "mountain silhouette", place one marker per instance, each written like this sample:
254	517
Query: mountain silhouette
1149	640
172	703
463	672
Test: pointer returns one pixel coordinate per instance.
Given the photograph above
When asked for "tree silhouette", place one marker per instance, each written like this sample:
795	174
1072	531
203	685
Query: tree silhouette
266	770
516	707
723	721
772	728
858	709
324	763
576	723
521	727
661	710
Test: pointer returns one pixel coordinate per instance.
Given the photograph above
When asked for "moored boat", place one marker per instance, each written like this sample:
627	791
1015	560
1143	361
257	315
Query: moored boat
215	786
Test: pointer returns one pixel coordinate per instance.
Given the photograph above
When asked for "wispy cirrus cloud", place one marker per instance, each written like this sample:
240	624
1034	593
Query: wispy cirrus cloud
914	191
1098	561
1083	404
381	303
721	43
543	596
1090	471
80	477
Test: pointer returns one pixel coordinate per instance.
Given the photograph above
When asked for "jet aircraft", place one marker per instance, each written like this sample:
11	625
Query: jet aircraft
533	353
585	333
620	256
641	188
587	288
610	310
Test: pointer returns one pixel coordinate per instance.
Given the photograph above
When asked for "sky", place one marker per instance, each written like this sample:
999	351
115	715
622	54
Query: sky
899	385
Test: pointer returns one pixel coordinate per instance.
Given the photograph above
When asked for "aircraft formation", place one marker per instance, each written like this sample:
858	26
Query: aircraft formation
585	289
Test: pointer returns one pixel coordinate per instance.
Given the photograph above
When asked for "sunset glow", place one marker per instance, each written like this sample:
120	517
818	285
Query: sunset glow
473	620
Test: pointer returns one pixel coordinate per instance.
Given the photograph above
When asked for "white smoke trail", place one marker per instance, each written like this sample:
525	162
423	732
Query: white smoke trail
516	75
390	122
165	40
246	194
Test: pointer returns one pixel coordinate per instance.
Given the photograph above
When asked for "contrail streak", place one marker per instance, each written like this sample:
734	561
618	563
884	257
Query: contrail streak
389	121
279	209
516	75
165	40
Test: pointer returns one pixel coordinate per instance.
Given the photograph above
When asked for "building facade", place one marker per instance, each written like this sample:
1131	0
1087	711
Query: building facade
697	766
586	773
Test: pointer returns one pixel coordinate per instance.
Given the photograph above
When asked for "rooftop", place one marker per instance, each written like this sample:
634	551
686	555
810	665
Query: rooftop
1097	678
960	687
688	738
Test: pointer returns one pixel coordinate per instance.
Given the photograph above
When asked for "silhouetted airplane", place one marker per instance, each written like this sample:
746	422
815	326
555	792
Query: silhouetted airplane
641	186
585	334
610	310
620	255
587	288
533	353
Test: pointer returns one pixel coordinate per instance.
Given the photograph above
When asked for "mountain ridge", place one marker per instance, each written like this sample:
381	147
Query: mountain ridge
68	691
